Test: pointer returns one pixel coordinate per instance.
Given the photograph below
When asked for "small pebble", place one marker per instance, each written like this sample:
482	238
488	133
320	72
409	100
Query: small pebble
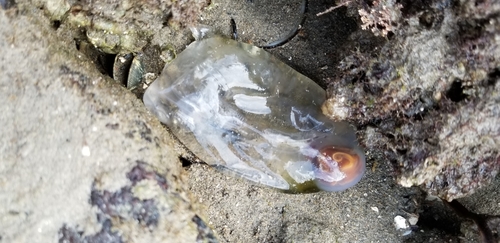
86	151
413	220
400	223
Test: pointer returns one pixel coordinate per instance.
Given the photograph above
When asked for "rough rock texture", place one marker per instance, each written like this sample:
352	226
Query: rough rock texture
429	96
124	26
151	32
81	159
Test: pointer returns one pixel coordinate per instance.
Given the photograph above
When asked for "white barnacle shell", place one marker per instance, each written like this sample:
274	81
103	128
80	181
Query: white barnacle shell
236	106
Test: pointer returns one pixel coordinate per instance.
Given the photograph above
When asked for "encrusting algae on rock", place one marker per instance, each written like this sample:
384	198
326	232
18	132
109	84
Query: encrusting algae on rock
237	107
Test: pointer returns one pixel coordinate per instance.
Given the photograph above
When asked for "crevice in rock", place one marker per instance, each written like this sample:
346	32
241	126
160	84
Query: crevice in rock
455	92
185	162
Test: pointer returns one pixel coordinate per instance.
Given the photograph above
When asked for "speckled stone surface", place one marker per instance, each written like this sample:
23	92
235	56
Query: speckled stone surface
82	161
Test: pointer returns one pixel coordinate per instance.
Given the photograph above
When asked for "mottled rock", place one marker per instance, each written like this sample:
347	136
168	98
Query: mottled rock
82	160
431	93
124	26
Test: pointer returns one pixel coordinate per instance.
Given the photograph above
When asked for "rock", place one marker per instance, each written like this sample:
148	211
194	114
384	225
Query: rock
429	94
82	160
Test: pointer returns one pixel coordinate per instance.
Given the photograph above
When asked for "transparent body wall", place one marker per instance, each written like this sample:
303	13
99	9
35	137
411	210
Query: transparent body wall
236	106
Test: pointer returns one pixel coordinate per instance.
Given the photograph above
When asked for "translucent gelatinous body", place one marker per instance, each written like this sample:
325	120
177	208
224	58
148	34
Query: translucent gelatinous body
236	106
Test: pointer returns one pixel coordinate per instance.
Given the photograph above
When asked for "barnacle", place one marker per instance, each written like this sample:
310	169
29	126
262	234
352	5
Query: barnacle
239	108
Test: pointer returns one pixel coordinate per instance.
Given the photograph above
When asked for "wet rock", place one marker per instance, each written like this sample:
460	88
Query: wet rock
436	81
123	26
